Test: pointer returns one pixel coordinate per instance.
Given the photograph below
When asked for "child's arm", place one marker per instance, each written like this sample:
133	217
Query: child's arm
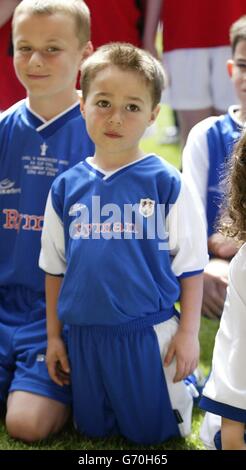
152	17
214	292
185	344
56	357
222	247
232	435
7	9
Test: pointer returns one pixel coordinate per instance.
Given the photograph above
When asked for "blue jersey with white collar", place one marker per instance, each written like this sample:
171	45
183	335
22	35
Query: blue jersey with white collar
32	154
108	236
221	137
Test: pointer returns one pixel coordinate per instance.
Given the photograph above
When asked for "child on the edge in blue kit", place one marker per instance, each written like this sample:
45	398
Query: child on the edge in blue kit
40	137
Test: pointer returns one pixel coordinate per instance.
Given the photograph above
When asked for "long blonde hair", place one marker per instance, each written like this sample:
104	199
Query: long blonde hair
128	58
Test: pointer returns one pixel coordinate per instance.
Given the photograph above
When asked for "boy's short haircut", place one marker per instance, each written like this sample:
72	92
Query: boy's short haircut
128	58
238	32
75	8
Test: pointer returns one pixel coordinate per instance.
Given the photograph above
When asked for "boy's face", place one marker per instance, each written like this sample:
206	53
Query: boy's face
237	71
47	54
117	109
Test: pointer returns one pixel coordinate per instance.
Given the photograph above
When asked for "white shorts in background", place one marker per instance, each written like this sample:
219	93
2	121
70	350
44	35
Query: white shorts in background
198	79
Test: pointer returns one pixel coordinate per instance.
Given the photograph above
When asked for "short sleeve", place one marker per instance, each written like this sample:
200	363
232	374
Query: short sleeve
52	256
187	234
195	160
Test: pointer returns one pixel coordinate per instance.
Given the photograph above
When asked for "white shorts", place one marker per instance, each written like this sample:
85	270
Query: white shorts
198	79
180	397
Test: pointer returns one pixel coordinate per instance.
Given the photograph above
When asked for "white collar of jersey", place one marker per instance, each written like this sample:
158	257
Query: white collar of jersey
47	123
107	174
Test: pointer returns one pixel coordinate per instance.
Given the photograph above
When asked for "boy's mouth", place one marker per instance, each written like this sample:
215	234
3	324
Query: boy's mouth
36	76
113	135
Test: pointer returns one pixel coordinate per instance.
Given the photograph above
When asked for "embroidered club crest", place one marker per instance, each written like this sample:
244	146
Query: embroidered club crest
146	207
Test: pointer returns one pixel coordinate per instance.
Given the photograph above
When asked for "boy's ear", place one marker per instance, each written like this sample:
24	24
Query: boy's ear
229	66
87	50
154	114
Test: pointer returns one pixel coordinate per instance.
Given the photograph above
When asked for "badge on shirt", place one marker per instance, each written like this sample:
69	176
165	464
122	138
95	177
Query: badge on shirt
146	207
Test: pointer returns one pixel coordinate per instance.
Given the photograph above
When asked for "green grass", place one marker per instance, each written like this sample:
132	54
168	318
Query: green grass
69	439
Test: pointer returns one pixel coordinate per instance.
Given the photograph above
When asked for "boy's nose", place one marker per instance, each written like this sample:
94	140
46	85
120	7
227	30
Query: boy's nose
36	59
115	118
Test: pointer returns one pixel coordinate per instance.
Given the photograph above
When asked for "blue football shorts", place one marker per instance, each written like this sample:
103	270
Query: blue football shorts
23	344
119	384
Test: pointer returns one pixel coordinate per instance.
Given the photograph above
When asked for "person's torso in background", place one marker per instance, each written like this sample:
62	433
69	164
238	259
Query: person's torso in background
116	20
194	24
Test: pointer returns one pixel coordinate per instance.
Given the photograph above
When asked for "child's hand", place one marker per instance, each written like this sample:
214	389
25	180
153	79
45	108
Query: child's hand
214	294
185	346
221	247
57	361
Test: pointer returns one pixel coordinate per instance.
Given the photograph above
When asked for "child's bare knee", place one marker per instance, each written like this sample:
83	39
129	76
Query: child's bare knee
25	428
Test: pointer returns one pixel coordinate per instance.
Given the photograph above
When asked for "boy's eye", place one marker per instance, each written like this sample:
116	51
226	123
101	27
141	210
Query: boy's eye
24	49
103	104
241	65
52	49
132	107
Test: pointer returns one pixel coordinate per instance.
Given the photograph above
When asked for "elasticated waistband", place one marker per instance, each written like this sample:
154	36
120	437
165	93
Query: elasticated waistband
133	325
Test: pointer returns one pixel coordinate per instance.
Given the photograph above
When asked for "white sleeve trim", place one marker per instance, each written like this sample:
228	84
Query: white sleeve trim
187	233
52	256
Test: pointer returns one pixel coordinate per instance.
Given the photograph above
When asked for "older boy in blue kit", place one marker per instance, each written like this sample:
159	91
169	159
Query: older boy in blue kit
117	267
40	137
209	146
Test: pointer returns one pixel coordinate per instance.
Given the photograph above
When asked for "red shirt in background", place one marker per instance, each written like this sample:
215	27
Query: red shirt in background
192	23
116	20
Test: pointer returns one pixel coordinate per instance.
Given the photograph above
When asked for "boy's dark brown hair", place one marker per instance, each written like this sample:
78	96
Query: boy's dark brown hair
128	58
